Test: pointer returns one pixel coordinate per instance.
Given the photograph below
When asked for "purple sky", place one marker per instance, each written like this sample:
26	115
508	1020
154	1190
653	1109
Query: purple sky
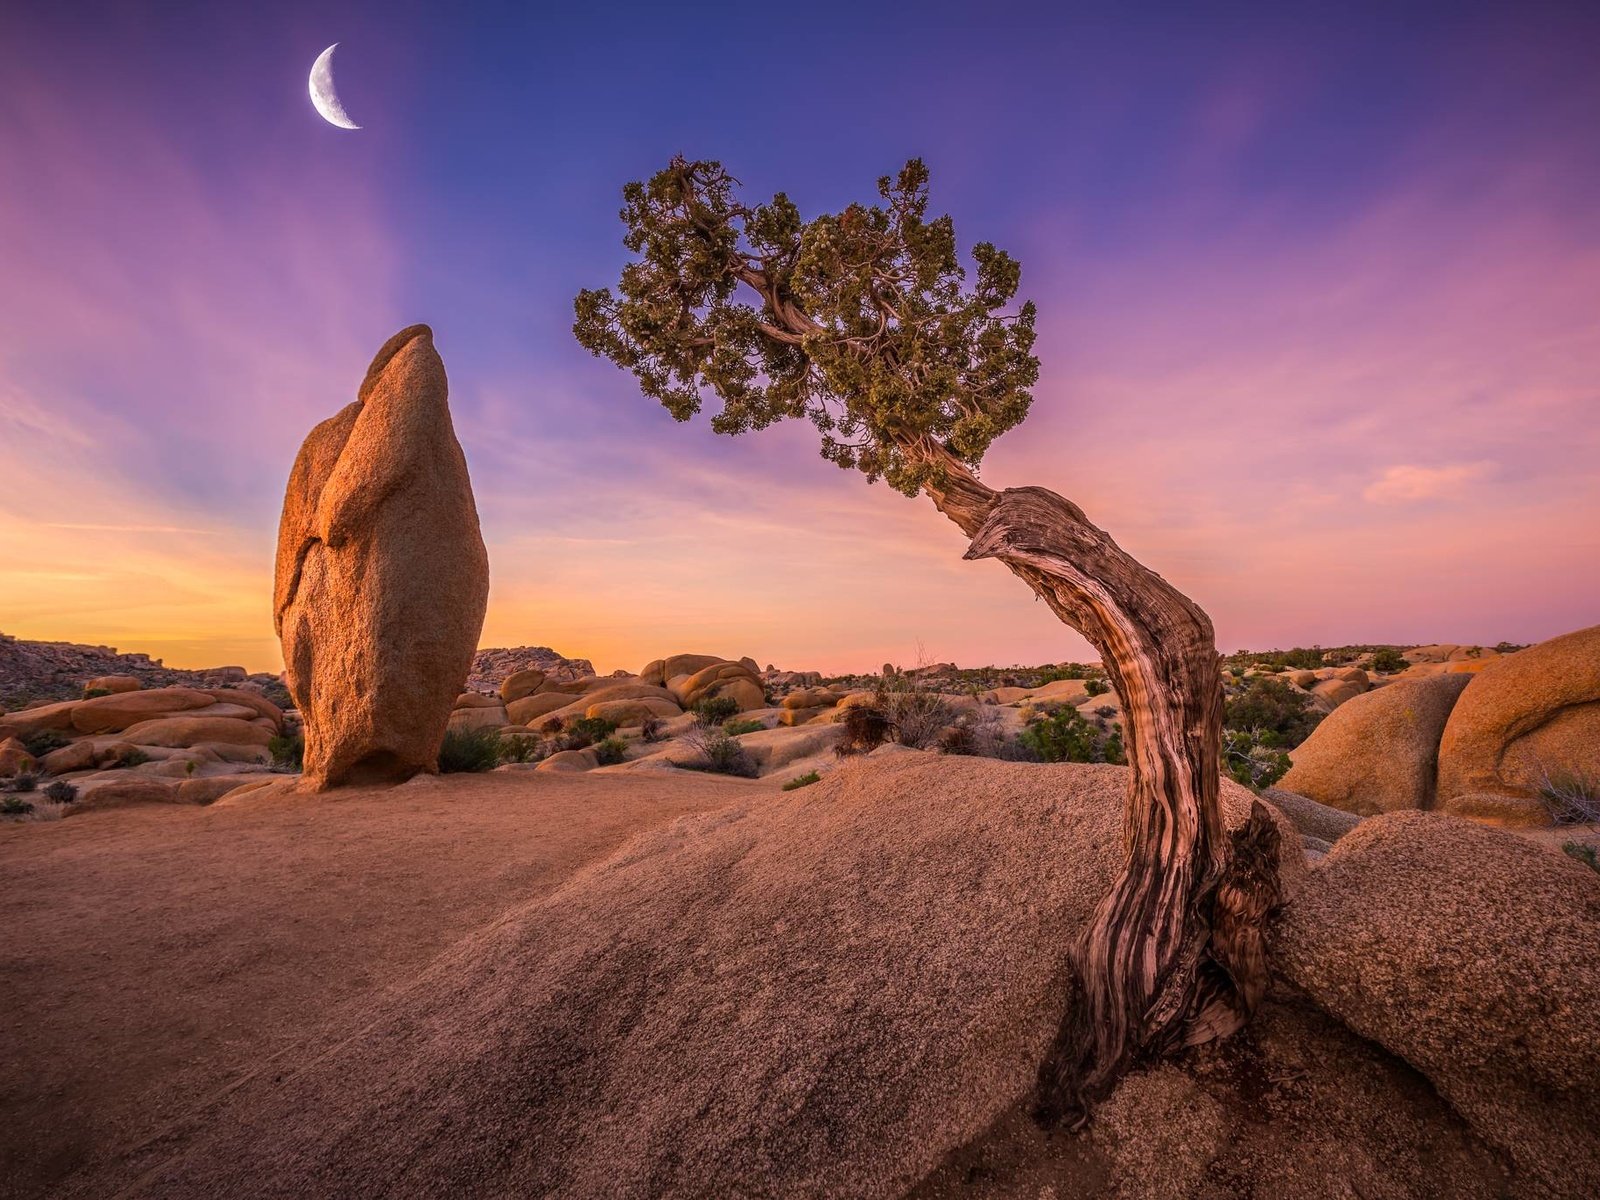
1319	311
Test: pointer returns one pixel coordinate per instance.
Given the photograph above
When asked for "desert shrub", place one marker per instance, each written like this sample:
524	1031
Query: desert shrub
1509	647
61	792
742	725
288	752
596	729
1388	661
1272	706
1584	852
22	781
10	806
469	750
1301	658
800	781
981	733
1112	749
714	710
553	725
520	748
1097	687
91	693
652	729
1062	735
41	742
132	757
610	751
1253	758
1236	672
917	714
717	752
865	728
1572	797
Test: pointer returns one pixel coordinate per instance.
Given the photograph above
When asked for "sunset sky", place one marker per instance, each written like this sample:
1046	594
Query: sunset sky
1319	306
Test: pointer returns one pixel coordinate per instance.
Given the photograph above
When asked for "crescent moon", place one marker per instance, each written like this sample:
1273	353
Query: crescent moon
322	93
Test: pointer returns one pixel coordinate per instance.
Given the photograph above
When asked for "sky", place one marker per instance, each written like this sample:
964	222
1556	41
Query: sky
1318	291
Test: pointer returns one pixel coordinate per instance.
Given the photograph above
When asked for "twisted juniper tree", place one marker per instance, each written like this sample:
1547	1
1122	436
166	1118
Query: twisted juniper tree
865	323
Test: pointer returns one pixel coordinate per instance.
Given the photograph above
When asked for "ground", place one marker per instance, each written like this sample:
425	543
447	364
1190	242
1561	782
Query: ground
154	956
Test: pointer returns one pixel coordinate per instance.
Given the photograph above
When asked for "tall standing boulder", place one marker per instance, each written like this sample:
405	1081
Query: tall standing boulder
1523	715
382	575
1376	752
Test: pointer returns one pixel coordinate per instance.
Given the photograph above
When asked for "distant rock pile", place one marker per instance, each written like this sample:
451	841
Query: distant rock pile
491	668
33	671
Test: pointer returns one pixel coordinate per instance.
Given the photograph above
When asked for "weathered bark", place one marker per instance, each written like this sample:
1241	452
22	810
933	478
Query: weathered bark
1175	953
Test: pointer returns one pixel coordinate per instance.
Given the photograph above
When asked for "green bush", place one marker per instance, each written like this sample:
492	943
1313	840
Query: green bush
718	753
1388	661
288	752
1274	711
61	792
865	728
42	741
91	693
1062	736
742	725
22	781
1253	759
520	748
610	751
1097	687
714	710
13	807
469	750
800	781
595	729
132	757
1584	853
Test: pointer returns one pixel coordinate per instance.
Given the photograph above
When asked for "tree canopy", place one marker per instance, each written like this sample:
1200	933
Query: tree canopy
863	321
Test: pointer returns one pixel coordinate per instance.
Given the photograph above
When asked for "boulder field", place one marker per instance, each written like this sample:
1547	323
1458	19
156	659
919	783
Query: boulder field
1483	744
844	991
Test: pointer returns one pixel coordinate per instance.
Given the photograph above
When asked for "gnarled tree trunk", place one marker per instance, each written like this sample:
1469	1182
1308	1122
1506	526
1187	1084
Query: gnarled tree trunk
1175	954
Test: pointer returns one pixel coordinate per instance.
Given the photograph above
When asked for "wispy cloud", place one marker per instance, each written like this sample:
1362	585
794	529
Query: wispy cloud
1405	483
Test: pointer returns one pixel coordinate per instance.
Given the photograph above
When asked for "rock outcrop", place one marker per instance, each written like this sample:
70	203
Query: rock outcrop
1377	751
1469	953
382	575
818	993
1525	714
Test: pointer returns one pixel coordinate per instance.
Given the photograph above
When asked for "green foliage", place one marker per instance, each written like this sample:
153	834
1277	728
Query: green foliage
718	753
862	322
610	751
288	752
11	806
1112	748
520	748
61	792
22	781
1584	853
735	728
1253	758
1063	735
133	757
91	693
800	781
1273	711
469	750
1096	687
1388	661
42	741
715	710
592	729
